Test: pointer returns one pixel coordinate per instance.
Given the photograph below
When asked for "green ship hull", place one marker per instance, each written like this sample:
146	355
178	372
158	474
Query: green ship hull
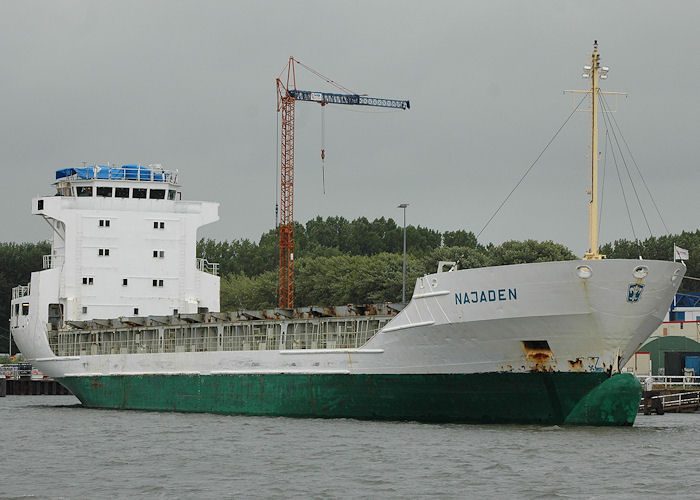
526	398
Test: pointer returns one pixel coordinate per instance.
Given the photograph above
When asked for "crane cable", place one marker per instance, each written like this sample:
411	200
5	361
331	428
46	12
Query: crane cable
323	146
325	78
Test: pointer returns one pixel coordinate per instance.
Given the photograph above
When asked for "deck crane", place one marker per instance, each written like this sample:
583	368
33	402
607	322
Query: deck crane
287	95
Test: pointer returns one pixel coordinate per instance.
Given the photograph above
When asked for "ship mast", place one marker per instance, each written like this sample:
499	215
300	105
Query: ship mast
595	72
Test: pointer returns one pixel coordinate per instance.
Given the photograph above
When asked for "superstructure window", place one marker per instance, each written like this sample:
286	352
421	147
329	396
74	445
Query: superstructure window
104	223
158	254
139	193
16	309
88	280
104	191
158	225
121	192
171	194
40	204
103	252
25	308
84	191
136	311
157	282
84	309
157	194
125	282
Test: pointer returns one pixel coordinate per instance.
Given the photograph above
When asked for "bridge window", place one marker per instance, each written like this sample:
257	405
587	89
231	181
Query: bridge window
171	194
121	192
104	191
84	191
157	194
139	193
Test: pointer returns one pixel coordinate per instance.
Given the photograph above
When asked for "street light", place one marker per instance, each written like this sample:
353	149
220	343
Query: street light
403	294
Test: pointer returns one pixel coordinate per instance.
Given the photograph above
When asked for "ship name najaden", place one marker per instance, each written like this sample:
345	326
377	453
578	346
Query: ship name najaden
474	296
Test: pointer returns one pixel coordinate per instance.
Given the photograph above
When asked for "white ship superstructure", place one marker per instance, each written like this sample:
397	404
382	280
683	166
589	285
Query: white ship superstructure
123	243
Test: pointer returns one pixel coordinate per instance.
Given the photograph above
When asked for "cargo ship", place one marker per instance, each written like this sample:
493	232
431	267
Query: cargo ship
126	316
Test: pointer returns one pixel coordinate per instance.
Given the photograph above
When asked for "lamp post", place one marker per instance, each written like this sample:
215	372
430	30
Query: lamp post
403	294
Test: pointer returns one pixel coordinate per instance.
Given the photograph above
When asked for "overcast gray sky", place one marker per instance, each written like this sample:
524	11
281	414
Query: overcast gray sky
190	85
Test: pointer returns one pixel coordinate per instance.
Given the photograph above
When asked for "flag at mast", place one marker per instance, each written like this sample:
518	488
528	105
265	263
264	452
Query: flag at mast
680	253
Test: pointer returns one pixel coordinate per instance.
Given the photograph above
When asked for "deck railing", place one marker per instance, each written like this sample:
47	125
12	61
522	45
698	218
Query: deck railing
670	381
321	333
51	261
21	291
208	267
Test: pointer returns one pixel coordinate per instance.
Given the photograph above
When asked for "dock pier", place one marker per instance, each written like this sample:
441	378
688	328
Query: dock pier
675	402
32	387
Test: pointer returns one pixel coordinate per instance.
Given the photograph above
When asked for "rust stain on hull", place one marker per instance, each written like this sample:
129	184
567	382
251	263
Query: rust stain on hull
538	355
576	365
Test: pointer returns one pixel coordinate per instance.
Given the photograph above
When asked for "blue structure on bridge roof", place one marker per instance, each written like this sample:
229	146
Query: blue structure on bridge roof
125	172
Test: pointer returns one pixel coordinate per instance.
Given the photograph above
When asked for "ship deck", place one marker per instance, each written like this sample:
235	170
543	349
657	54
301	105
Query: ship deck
339	327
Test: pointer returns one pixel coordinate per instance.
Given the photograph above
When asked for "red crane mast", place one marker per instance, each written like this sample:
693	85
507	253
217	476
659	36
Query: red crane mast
287	95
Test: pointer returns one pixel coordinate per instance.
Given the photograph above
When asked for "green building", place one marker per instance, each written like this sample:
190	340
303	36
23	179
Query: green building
672	354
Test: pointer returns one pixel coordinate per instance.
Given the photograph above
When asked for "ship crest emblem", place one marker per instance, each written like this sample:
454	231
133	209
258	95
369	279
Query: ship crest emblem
635	291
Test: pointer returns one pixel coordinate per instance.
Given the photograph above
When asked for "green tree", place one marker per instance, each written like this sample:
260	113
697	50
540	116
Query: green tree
459	238
521	252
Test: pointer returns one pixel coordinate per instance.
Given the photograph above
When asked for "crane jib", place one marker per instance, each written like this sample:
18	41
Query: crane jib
330	98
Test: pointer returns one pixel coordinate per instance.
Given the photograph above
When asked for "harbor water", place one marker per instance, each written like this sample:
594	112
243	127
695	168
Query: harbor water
54	448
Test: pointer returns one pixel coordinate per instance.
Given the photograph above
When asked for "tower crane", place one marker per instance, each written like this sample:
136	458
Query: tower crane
287	95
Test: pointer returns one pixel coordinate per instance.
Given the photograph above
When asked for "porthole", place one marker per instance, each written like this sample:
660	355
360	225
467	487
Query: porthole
641	272
676	275
584	272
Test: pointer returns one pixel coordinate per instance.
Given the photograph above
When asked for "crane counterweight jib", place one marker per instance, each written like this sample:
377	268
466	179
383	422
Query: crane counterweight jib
353	99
